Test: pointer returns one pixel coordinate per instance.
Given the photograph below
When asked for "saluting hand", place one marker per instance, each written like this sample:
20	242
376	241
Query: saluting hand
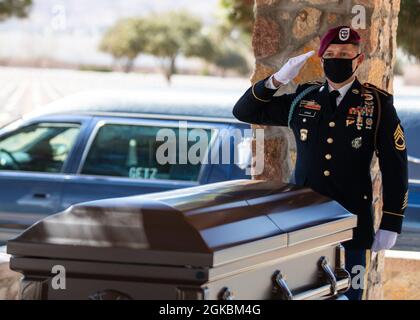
291	69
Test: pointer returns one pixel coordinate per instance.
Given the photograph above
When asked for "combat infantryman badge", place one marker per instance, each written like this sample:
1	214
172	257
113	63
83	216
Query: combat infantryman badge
303	134
356	143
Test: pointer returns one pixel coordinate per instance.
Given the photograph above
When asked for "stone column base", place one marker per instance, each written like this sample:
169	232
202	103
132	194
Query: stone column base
9	280
402	275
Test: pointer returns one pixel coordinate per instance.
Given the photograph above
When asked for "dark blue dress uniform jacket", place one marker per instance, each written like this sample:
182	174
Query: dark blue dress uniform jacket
335	148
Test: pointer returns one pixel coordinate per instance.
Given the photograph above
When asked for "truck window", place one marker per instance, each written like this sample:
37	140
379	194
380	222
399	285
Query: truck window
41	147
147	152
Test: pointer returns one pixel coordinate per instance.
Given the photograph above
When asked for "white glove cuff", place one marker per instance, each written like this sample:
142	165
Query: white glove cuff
269	83
281	79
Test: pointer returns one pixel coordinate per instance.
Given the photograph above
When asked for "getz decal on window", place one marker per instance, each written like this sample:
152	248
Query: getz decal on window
142	173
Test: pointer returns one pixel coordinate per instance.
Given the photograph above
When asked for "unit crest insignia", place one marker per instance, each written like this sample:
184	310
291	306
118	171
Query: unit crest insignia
356	142
303	134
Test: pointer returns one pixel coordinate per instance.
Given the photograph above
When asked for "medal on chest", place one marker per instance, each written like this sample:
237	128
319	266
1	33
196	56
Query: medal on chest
368	108
310	104
362	116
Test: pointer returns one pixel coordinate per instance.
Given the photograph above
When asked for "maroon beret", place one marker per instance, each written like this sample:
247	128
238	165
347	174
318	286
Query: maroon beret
338	35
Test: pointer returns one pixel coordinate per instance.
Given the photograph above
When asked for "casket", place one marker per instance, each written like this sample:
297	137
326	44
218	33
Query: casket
240	239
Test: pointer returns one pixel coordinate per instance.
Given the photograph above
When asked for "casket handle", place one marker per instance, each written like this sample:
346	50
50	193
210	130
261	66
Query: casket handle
338	282
329	274
226	294
281	288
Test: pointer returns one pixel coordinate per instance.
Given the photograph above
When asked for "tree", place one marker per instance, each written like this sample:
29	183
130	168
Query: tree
201	45
229	58
220	49
14	8
171	34
125	41
236	24
237	14
228	53
409	27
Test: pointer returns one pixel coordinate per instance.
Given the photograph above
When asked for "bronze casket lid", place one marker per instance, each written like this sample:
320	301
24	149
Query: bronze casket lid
197	226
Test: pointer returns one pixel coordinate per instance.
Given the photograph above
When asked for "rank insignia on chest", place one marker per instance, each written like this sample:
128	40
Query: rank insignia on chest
303	134
310	104
356	142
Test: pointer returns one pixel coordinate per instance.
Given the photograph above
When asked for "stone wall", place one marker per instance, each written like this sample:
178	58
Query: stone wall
401	275
9	280
285	29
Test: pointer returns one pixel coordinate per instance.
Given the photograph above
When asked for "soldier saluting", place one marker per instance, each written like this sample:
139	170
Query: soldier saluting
338	125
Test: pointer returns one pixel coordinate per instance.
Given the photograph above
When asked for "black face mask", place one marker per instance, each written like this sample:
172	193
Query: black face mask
339	70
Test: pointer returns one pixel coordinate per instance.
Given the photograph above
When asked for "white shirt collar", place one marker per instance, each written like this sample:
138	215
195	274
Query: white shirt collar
343	90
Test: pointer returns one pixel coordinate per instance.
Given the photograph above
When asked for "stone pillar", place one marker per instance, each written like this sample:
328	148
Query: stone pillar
284	29
9	280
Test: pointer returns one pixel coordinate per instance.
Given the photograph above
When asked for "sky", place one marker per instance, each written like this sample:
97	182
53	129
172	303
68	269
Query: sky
70	30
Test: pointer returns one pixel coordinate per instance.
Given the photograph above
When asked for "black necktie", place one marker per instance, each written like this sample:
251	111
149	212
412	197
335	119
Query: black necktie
333	99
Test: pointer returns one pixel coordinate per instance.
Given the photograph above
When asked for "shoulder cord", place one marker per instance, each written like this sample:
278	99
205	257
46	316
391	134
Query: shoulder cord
378	120
299	97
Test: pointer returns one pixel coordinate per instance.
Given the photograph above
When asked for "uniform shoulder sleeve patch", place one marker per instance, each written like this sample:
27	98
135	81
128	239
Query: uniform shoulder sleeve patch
371	86
399	138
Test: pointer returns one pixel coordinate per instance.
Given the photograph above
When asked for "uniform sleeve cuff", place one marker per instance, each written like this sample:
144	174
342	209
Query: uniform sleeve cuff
270	84
261	92
391	221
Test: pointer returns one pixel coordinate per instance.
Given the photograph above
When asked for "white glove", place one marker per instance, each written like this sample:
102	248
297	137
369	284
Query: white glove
384	240
269	83
292	67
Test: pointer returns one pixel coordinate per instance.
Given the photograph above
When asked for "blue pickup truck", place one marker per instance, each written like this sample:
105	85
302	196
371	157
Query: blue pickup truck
105	144
408	108
100	144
